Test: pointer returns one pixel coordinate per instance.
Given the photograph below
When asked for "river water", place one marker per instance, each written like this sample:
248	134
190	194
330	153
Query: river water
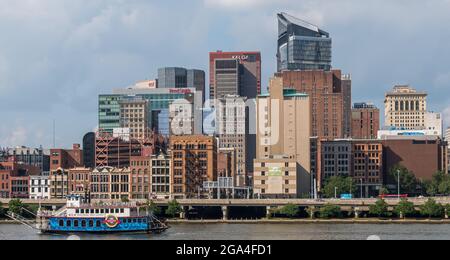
257	232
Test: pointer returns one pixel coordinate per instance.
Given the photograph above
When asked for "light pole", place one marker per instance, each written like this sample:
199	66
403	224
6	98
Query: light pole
335	192
398	183
361	188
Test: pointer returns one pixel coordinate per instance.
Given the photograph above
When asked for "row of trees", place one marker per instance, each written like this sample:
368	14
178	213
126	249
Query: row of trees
431	209
174	208
409	184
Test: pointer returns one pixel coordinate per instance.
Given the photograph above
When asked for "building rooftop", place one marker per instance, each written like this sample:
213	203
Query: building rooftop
289	19
405	90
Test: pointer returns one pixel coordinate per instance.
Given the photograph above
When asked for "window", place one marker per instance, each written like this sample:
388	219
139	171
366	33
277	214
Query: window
83	223
68	223
76	223
61	223
98	223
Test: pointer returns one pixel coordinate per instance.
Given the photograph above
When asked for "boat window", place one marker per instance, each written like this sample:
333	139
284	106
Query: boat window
82	211
107	211
122	210
76	223
83	223
98	223
117	211
102	211
97	211
77	211
61	223
145	220
92	211
134	220
139	220
68	223
91	223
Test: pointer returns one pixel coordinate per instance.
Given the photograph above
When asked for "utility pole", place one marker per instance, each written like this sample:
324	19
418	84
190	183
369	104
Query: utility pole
335	192
361	188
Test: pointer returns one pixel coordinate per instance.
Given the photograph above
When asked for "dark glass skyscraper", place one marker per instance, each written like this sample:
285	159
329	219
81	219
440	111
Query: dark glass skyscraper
172	77
302	46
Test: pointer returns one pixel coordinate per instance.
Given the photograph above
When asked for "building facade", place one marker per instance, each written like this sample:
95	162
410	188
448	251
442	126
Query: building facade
15	179
40	187
283	134
79	180
37	157
365	121
302	46
194	161
161	176
134	116
405	108
108	183
66	159
59	183
235	73
140	177
171	77
422	155
434	123
326	99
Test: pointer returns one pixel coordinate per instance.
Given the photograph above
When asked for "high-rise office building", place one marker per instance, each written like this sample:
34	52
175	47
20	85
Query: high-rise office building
134	116
405	108
365	121
172	77
235	73
232	125
302	46
158	108
327	99
283	161
89	150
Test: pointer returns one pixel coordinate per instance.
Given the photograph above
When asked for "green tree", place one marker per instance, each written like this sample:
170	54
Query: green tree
15	206
330	211
174	208
125	199
383	191
405	209
432	209
440	184
408	181
380	209
152	207
339	185
290	211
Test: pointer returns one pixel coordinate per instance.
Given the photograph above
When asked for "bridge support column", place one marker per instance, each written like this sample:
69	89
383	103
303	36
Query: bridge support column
446	213
268	212
312	212
224	213
183	213
357	212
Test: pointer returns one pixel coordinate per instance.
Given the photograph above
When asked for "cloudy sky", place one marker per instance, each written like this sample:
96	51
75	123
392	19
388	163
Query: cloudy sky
56	56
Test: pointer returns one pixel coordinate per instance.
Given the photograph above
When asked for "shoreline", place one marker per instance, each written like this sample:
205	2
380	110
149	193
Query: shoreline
296	221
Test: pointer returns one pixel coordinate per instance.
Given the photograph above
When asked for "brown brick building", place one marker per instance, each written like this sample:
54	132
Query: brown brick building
365	121
328	99
140	177
79	180
194	161
15	179
66	159
422	155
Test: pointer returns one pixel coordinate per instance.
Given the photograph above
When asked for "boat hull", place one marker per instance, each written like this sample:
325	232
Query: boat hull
99	225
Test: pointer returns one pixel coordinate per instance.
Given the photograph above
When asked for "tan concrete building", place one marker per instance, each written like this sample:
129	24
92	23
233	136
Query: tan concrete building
194	161
405	108
283	135
59	183
134	116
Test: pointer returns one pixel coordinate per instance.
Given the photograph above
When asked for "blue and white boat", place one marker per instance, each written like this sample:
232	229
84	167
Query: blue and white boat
81	216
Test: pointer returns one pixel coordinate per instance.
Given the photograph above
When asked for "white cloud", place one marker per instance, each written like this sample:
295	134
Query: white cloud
241	3
17	136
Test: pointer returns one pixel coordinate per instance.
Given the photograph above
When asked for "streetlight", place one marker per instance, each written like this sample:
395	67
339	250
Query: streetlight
361	188
335	192
398	175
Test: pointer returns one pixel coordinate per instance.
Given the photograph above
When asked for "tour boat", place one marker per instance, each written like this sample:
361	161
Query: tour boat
82	216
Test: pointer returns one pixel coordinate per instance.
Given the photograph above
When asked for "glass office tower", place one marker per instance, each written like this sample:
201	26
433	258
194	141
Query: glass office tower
302	46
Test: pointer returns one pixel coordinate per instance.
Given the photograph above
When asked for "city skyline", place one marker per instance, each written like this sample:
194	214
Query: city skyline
58	65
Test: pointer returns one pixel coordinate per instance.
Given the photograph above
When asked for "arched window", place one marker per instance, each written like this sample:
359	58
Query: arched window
68	223
406	105
417	105
98	223
83	223
61	223
76	223
91	223
413	107
402	106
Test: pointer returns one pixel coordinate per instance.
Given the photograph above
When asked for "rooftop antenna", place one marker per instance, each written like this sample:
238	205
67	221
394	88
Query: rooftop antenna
54	134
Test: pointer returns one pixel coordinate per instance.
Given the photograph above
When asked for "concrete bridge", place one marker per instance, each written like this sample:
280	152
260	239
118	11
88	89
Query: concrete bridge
356	205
